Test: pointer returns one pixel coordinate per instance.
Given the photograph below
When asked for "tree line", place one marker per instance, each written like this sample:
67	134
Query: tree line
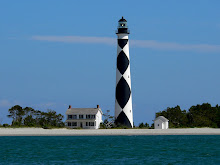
203	115
34	118
197	116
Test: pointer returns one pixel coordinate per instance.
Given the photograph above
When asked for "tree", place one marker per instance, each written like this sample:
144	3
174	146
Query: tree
152	126
202	115
16	113
52	119
108	120
29	121
146	125
177	117
217	119
197	116
29	117
142	125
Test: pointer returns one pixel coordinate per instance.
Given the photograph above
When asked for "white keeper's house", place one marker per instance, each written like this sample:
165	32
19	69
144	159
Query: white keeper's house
161	123
87	118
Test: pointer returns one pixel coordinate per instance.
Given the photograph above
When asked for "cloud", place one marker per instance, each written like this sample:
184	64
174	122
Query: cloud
76	39
175	46
41	106
151	44
5	103
9	103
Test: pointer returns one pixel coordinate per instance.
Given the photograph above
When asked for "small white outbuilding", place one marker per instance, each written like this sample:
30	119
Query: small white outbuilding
161	123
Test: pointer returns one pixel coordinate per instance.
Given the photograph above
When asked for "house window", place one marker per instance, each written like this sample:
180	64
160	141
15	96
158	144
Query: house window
90	124
80	116
90	116
158	125
69	117
69	124
74	123
74	116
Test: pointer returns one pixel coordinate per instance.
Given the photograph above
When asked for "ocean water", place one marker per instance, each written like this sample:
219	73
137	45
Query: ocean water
185	149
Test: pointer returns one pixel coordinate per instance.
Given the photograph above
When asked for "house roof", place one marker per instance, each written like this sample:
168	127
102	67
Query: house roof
162	118
83	111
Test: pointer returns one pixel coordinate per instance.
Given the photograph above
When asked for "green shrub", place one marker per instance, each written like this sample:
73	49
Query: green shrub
5	125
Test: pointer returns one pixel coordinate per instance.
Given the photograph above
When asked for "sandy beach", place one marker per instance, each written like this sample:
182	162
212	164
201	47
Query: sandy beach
102	132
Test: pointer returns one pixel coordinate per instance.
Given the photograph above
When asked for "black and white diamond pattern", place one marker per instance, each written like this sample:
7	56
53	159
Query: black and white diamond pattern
123	92
122	62
122	42
123	102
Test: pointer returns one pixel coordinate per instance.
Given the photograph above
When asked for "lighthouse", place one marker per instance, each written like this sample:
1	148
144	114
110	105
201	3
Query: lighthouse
123	98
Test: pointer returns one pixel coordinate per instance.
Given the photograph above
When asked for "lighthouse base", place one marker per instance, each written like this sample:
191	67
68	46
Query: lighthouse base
122	120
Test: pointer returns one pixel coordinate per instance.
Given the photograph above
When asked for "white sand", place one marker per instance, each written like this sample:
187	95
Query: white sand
87	132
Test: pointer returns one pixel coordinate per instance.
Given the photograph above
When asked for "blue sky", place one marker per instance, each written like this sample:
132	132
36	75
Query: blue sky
59	53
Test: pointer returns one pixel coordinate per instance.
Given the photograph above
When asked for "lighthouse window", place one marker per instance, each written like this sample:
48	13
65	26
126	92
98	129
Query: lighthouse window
128	76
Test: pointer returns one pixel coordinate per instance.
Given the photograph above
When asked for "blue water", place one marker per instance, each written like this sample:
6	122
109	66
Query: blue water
110	150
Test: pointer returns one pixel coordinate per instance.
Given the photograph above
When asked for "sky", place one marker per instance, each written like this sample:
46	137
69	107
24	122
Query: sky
59	53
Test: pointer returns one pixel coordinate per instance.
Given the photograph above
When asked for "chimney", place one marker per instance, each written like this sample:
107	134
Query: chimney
70	106
97	106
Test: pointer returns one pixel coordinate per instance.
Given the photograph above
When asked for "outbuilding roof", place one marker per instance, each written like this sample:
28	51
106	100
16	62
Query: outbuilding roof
162	118
83	111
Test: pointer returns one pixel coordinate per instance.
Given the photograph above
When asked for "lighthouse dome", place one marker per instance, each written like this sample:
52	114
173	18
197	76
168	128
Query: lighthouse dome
122	20
122	26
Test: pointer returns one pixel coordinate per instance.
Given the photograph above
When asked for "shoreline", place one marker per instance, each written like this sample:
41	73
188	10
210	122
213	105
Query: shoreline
105	132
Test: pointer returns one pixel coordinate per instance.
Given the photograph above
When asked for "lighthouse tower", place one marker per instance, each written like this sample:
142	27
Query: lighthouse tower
123	99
